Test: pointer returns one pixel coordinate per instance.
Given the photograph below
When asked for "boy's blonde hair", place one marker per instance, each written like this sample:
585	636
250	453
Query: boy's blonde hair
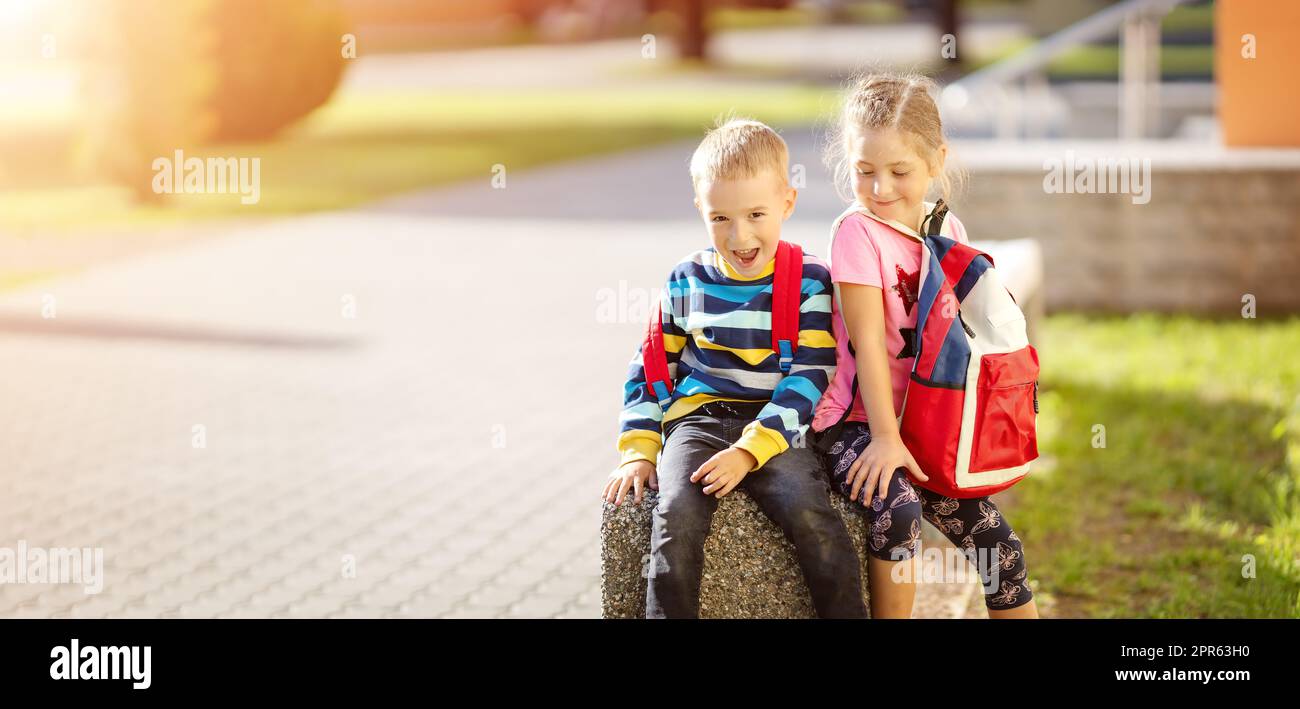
877	100
739	148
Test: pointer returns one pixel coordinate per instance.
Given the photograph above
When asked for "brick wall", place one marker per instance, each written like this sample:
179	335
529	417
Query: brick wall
1219	224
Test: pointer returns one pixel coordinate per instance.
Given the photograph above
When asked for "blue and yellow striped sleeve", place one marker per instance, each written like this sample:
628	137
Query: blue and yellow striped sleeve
641	421
783	422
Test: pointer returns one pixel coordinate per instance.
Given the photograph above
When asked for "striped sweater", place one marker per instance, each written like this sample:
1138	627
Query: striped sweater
718	340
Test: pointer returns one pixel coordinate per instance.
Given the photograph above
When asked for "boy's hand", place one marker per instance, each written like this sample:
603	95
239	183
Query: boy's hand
876	466
724	471
634	475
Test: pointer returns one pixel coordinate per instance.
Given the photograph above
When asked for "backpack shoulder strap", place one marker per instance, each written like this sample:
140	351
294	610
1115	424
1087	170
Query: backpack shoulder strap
933	222
954	257
654	359
787	283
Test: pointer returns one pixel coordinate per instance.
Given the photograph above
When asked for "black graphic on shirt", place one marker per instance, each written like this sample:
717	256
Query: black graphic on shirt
907	286
909	342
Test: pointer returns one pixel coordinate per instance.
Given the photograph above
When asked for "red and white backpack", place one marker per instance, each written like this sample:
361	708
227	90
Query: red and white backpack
972	399
787	282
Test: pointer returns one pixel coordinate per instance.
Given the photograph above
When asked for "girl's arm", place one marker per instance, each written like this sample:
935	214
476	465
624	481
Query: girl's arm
864	316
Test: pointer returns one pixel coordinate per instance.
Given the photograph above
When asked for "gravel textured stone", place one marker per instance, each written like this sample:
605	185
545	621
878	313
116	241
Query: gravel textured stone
750	568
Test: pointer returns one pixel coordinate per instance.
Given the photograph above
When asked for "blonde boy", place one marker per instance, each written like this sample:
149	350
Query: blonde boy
734	418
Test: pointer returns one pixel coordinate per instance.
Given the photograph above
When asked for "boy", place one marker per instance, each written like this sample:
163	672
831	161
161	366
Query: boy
734	418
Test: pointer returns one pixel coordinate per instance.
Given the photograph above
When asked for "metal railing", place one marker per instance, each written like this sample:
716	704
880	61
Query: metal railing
1008	82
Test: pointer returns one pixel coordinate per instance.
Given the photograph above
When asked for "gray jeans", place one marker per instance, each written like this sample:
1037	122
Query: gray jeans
792	489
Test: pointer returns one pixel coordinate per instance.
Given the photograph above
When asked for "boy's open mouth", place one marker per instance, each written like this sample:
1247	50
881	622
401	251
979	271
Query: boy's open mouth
745	258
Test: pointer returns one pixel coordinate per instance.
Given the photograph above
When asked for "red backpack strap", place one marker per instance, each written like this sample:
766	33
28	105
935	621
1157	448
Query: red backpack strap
654	359
787	283
957	259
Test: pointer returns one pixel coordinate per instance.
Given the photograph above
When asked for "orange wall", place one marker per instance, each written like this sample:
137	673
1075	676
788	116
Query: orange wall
1259	100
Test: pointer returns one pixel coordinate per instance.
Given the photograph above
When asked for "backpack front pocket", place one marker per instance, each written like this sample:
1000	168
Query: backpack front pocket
1006	404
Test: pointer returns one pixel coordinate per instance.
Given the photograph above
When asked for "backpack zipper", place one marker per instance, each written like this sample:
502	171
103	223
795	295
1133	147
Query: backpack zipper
969	332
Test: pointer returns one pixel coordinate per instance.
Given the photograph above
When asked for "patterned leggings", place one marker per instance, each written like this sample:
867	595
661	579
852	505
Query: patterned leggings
974	525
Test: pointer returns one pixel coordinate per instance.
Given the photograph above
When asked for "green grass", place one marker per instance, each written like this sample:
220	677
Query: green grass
1188	18
359	149
1201	468
752	18
1103	61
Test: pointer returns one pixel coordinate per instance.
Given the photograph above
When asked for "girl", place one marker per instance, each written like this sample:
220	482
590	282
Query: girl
886	150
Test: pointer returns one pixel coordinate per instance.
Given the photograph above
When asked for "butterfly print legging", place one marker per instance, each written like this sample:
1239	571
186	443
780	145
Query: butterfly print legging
973	524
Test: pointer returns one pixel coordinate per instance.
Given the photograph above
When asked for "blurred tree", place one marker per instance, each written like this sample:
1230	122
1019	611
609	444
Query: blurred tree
184	73
276	62
694	39
692	20
948	20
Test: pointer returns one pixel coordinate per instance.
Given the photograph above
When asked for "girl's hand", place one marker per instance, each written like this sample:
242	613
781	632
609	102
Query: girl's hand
724	471
635	475
875	468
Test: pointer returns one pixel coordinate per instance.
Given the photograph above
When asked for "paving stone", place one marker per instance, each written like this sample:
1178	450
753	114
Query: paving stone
330	437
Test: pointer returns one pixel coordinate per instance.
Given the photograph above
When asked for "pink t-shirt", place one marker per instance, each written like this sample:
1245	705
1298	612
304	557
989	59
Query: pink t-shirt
871	253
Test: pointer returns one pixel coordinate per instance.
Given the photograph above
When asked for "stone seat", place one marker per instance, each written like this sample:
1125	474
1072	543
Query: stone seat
750	568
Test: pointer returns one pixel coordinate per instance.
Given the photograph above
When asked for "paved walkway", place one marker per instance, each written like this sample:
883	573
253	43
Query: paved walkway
439	454
814	52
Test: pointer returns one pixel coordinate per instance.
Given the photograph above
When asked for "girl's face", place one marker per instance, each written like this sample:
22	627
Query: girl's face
889	177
